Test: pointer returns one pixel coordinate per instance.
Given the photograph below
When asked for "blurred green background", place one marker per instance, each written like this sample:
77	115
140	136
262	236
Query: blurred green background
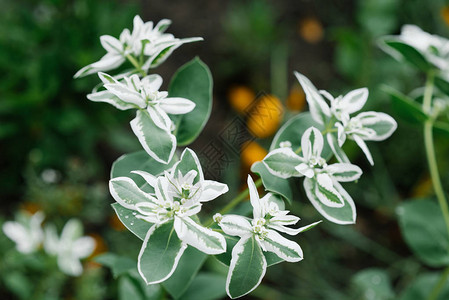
57	147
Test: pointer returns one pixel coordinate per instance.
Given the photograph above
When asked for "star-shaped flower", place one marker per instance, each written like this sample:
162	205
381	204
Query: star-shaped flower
26	232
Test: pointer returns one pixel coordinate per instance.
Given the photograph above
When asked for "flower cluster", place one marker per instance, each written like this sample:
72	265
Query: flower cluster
322	180
69	248
148	44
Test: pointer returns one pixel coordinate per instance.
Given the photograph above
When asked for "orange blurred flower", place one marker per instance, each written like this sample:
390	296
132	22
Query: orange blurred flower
30	207
265	116
240	98
445	14
311	30
252	152
296	99
116	224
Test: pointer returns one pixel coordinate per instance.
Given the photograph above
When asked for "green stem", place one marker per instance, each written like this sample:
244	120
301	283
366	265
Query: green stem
239	198
430	151
136	64
440	284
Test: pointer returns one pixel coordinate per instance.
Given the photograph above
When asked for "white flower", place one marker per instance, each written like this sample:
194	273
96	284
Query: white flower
145	41
177	197
267	220
434	48
70	247
133	92
26	232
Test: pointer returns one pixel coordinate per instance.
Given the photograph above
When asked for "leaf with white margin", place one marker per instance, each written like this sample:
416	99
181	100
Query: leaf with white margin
176	105
127	216
273	183
312	143
127	193
354	100
340	155
247	268
108	97
160	253
159	117
282	162
359	141
282	247
202	238
383	124
158	143
340	215
126	94
344	172
235	225
326	192
189	161
318	107
212	189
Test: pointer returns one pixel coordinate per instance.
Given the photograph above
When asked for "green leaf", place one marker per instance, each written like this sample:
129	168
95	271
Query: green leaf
188	266
157	142
206	286
282	162
372	284
118	264
160	253
273	183
138	227
442	85
139	160
405	107
422	286
409	54
441	128
293	130
192	81
189	161
424	230
129	289
247	268
339	215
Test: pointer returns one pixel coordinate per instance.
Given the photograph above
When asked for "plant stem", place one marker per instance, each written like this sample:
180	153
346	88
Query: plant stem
430	151
239	198
136	64
440	284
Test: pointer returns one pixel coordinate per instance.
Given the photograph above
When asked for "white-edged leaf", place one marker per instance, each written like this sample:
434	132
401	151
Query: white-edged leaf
108	97
344	172
158	143
247	268
189	161
202	238
340	215
127	216
212	189
150	179
312	143
318	107
177	105
361	143
235	225
126	94
326	192
106	63
282	162
383	124
127	193
160	253
354	100
282	247
336	148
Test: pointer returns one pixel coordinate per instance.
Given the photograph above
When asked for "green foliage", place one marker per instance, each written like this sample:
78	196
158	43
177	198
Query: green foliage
373	284
192	81
424	230
273	183
406	107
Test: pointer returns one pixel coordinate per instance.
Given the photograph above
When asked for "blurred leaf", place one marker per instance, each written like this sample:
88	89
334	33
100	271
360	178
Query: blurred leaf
206	286
422	286
378	17
118	264
441	127
442	85
273	183
424	230
405	107
373	284
192	81
127	216
188	266
128	288
409	54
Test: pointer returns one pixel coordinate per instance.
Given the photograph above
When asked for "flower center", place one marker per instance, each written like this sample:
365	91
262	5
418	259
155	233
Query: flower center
317	160
259	228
